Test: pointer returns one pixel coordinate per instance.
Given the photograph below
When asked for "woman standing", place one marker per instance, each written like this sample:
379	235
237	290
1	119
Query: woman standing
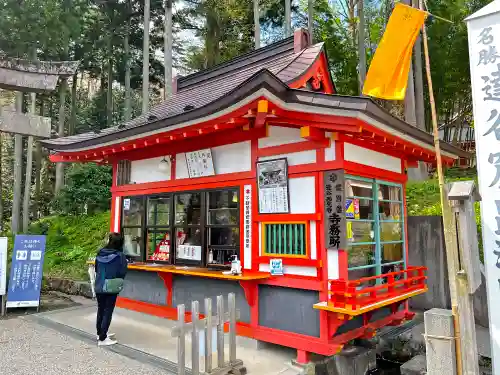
111	268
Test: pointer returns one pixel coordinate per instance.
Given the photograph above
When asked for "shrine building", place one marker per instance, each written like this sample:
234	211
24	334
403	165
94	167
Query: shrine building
261	159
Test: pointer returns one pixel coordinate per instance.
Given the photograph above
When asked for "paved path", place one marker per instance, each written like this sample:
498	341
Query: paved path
27	347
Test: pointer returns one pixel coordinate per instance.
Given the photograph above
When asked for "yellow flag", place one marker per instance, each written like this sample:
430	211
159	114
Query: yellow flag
387	77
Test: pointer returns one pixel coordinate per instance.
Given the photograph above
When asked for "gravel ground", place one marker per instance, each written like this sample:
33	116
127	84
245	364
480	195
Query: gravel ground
27	348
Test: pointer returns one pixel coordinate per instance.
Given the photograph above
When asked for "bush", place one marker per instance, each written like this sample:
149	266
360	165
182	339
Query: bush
423	199
87	190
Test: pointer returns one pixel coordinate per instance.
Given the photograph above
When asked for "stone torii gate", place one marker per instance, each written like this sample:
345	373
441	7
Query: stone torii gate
26	76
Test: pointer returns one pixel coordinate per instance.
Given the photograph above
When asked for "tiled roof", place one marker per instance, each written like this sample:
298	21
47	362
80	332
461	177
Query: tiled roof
205	87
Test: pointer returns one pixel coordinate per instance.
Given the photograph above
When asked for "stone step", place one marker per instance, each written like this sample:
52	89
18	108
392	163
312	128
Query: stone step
415	366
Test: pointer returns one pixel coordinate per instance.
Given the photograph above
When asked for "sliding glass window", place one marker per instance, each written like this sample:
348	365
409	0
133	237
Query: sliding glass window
159	233
132	226
375	227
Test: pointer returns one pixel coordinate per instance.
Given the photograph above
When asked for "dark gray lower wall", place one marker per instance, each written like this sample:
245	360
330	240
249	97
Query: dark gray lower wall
187	289
145	287
289	309
149	287
426	248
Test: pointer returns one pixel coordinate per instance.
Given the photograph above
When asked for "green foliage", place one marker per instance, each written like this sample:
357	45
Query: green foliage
71	240
423	199
87	189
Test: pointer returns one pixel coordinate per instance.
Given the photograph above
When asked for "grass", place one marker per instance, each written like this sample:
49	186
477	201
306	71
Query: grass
71	240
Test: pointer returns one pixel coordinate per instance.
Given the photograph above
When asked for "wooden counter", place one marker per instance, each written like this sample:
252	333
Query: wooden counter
247	280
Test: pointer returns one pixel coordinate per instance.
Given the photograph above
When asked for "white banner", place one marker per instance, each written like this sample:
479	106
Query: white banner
247	227
484	53
3	266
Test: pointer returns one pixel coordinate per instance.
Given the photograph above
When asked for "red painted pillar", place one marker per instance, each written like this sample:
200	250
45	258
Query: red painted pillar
302	357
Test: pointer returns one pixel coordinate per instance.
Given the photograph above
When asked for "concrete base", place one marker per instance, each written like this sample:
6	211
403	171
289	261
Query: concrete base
353	360
416	366
440	343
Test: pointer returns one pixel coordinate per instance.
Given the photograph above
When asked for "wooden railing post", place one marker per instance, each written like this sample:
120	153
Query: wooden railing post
220	331
208	335
232	327
181	341
195	339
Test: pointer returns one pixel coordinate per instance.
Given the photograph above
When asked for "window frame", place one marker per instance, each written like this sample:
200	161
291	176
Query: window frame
377	227
265	251
147	229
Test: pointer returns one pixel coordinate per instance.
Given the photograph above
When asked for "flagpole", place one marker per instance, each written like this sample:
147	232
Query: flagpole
448	218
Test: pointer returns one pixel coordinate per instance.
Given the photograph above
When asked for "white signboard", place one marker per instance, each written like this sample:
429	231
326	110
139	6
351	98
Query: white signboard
189	252
3	265
276	267
200	163
247	226
484	52
272	180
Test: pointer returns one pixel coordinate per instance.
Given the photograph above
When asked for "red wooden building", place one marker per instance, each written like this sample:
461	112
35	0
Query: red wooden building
259	157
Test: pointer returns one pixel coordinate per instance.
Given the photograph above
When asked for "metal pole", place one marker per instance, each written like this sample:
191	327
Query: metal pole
3	299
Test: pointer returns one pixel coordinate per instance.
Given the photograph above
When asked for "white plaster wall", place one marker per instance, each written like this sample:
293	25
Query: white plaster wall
302	195
333	264
116	223
293	270
279	135
146	170
330	151
295	158
181	169
312	236
371	158
232	158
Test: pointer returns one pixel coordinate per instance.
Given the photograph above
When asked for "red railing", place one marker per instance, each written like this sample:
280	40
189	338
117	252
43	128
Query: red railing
352	295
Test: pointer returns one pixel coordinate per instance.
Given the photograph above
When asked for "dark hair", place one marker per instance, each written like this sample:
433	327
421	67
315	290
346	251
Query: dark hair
115	241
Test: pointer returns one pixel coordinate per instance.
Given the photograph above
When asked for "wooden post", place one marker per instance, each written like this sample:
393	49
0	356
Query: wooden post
18	172
310	20
256	21
220	332
181	341
448	217
231	301
195	338
208	335
288	18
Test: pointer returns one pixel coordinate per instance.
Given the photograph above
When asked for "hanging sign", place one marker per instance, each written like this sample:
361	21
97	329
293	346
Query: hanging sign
484	55
276	267
26	271
272	182
335	218
247	226
3	265
189	252
200	163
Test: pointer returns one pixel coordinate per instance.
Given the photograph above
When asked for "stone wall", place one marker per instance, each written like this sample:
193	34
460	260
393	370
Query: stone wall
426	248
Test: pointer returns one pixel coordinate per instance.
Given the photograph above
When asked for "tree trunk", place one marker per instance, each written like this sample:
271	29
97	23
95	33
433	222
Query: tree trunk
310	20
288	18
256	23
145	59
38	169
419	79
361	46
60	133
168	49
109	92
128	109
72	123
18	172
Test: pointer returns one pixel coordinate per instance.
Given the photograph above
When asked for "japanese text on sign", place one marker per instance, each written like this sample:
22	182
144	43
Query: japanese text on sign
26	271
335	221
247	226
